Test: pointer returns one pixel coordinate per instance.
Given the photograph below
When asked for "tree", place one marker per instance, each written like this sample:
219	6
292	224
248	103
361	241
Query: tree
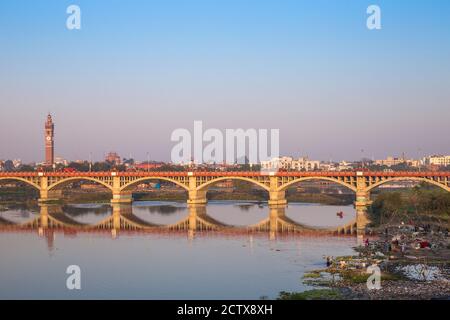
26	168
9	165
101	166
387	206
79	166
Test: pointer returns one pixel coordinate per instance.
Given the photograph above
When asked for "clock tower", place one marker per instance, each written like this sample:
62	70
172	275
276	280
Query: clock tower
49	144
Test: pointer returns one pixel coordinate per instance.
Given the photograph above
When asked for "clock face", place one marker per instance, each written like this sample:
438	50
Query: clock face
49	138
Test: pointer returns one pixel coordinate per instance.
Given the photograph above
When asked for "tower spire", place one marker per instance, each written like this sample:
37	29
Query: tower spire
49	142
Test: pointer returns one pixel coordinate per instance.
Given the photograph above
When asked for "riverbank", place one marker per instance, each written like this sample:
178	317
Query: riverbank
414	262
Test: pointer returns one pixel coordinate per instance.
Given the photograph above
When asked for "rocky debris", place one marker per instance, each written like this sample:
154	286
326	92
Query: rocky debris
400	290
421	272
414	261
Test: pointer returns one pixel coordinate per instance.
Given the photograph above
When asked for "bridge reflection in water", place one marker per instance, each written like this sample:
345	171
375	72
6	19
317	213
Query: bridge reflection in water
52	218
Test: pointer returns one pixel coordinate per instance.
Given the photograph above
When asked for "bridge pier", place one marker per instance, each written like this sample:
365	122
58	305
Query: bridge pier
197	197
122	197
363	198
362	204
122	209
50	195
362	219
277	198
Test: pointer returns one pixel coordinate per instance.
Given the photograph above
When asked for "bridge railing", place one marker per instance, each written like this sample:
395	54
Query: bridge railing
231	173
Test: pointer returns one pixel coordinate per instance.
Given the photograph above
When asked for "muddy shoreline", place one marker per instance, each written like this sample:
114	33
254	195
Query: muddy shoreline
414	264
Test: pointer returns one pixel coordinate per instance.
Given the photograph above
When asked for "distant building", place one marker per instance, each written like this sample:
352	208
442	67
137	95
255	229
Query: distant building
113	158
277	163
288	163
391	161
345	166
331	166
438	160
304	164
328	166
147	166
59	160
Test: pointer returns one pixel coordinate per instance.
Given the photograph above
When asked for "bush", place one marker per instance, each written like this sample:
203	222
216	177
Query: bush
410	205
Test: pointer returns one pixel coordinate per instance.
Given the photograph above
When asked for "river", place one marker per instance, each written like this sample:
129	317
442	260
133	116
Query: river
166	264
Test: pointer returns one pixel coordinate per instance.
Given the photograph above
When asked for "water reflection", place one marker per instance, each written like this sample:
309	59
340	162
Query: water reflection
87	213
160	212
172	216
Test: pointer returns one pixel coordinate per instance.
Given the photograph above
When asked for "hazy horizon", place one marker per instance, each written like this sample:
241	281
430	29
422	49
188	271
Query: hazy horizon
138	70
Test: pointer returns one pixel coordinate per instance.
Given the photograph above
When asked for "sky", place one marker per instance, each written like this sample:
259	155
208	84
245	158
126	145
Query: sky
138	70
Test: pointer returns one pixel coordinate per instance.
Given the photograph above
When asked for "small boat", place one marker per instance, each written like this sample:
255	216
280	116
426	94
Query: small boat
340	214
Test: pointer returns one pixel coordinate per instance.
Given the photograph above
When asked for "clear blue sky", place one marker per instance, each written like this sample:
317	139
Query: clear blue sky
137	70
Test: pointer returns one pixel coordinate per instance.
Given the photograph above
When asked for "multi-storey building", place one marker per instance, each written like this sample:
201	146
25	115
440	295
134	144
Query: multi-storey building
391	161
438	160
113	158
288	163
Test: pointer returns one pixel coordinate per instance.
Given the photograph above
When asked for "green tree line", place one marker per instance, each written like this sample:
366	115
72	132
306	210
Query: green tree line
415	204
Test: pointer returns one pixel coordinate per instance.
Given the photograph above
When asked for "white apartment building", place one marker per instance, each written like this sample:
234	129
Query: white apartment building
438	160
277	163
288	163
328	166
345	166
305	164
391	161
59	160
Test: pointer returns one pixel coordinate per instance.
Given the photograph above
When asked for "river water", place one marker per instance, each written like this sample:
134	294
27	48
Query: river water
169	264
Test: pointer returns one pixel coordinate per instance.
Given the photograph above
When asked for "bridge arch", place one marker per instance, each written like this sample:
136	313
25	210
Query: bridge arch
62	183
287	185
203	186
131	184
7	222
430	181
64	221
22	180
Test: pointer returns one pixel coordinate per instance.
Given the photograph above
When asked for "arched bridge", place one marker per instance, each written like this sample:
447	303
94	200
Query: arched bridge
121	184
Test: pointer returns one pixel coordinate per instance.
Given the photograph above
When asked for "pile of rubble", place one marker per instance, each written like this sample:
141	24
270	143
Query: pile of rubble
414	262
402	290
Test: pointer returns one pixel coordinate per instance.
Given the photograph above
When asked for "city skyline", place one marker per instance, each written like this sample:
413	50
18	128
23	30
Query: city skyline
135	73
49	154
